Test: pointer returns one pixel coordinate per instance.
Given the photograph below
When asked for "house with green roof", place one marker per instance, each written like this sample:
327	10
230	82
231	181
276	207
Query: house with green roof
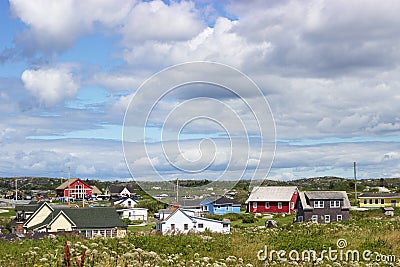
89	222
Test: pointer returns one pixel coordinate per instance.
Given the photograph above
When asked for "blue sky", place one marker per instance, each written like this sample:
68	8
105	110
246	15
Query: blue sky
328	69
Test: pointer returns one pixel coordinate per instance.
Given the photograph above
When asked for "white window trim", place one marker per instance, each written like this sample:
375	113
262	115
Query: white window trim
318	203
300	218
339	217
280	205
327	218
267	205
336	203
254	205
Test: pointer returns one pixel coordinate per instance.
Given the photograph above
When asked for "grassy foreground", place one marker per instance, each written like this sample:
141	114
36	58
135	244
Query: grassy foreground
366	232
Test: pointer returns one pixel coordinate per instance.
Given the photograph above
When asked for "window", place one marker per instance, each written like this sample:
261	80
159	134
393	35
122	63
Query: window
186	226
254	205
318	204
292	205
327	218
382	201
205	208
393	202
172	226
300	218
267	205
365	201
376	201
314	218
200	225
339	217
335	203
129	203
225	225
370	201
279	205
227	207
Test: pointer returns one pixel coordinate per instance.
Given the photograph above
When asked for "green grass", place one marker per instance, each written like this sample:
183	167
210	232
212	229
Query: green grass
145	228
365	231
10	213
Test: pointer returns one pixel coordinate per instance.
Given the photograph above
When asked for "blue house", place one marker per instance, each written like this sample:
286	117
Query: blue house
220	206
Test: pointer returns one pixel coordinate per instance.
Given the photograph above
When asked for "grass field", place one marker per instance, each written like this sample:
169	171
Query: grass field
368	231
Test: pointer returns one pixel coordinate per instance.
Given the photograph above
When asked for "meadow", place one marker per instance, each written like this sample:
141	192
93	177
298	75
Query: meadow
369	231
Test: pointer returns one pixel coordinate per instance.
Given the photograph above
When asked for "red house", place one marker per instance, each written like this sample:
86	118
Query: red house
75	188
273	199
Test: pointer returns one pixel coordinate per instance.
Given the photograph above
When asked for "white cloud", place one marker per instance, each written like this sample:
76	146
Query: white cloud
156	20
50	86
54	26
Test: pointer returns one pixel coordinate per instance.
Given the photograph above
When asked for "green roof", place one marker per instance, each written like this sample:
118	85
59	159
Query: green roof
88	218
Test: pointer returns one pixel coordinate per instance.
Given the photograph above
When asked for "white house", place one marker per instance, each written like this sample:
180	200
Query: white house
133	214
181	222
126	202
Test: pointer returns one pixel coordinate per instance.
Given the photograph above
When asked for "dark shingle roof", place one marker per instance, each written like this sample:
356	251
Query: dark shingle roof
27	208
99	217
116	189
225	200
381	195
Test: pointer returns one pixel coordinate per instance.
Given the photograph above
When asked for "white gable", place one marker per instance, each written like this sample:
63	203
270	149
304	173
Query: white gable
60	223
39	216
128	203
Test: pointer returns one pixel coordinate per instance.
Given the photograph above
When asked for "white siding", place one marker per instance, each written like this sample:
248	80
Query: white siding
133	214
43	212
61	223
179	219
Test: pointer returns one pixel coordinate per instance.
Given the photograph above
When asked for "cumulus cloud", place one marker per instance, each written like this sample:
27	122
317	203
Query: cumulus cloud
54	26
50	86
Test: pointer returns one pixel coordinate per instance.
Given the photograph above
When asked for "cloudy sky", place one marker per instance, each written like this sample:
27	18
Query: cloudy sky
328	69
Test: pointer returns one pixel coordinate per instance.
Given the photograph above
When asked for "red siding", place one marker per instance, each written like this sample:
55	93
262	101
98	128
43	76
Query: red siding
287	207
85	188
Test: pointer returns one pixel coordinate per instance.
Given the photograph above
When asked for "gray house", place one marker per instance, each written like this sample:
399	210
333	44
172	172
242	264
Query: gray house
322	206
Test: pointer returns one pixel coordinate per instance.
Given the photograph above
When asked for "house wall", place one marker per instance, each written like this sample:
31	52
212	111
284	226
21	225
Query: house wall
126	203
213	226
43	212
135	214
387	202
225	209
179	219
84	191
60	224
273	207
321	212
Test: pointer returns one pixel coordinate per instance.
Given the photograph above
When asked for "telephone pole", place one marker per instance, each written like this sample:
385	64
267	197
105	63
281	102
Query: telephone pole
355	181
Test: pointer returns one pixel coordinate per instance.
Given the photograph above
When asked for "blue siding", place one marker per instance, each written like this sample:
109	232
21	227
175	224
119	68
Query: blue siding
219	209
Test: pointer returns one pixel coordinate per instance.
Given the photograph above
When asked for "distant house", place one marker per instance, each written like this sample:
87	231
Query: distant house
120	191
133	214
191	204
220	206
23	212
87	221
127	202
322	206
74	188
96	191
272	199
180	222
379	200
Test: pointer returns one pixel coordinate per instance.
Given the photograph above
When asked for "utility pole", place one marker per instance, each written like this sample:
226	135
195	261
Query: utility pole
355	181
69	173
177	191
16	190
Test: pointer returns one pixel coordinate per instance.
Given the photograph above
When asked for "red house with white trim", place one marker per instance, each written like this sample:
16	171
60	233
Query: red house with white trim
273	199
75	188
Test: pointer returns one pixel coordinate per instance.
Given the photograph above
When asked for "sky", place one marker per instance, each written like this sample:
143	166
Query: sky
326	72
